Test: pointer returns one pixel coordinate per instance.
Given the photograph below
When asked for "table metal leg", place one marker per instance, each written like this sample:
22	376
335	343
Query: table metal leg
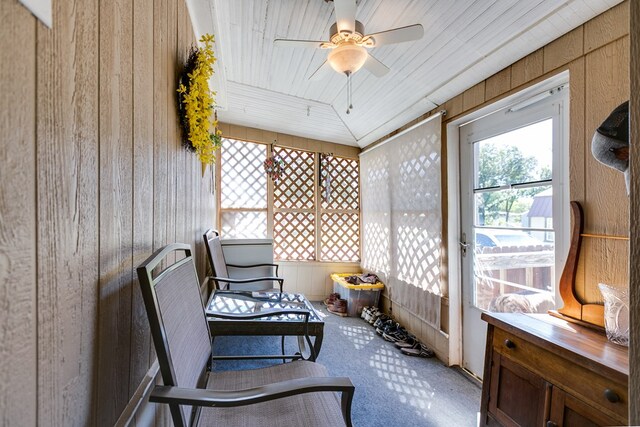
317	344
306	352
283	353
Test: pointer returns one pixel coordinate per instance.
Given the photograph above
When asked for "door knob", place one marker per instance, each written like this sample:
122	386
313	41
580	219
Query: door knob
463	244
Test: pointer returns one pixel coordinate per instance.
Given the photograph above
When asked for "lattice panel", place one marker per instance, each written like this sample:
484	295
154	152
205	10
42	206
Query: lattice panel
417	251
375	181
296	189
344	184
376	243
340	237
416	181
244	225
244	183
294	236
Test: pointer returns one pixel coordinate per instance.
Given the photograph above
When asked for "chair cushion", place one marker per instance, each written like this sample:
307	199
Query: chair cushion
309	409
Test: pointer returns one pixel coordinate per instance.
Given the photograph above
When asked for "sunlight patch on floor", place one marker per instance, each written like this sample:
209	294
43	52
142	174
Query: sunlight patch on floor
359	336
403	381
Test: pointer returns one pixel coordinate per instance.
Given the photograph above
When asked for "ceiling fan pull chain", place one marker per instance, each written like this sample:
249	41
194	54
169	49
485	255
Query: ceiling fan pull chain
349	105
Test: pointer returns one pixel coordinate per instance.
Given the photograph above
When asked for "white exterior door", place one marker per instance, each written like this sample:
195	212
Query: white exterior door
513	181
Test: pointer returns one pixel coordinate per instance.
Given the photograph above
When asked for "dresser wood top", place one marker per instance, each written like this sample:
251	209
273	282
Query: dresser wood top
585	346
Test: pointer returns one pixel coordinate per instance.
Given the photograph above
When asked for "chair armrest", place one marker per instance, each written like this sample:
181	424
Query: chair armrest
250	280
258	315
280	280
255	265
215	398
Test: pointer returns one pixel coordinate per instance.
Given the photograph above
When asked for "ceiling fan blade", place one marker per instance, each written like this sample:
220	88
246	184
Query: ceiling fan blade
375	67
298	43
345	15
397	35
320	72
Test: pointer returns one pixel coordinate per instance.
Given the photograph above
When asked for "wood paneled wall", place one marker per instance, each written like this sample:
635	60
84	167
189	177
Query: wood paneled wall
285	140
93	180
634	266
597	57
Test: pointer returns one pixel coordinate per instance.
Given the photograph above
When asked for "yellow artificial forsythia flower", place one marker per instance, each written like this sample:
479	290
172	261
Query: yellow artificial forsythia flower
198	101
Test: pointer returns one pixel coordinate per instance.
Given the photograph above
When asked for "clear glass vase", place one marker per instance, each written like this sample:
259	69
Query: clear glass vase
616	313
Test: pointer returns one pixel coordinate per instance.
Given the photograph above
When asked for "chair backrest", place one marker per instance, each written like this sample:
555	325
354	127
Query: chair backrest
178	322
214	252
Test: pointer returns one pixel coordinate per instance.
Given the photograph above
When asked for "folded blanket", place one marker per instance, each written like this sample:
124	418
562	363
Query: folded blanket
358	279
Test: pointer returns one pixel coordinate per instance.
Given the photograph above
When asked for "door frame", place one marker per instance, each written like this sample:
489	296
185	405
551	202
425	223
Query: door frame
454	263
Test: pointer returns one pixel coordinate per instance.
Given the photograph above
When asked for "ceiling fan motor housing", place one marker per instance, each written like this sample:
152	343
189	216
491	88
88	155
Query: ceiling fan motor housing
357	36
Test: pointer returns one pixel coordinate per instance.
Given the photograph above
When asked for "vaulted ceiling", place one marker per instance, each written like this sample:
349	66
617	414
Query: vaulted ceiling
465	41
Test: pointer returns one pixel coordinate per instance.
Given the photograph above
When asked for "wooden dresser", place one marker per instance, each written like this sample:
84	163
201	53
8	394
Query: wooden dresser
543	371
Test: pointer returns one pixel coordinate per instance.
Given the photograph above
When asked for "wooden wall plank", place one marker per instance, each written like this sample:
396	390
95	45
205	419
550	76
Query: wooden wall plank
577	143
606	203
173	132
184	43
161	178
607	86
143	184
634	266
239	132
563	50
160	150
498	84
286	140
116	200
607	27
577	148
18	339
67	211
160	114
254	134
199	189
528	68
454	106
181	155
473	96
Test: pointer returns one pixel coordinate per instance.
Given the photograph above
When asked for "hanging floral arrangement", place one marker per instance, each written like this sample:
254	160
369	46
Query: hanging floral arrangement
274	165
196	102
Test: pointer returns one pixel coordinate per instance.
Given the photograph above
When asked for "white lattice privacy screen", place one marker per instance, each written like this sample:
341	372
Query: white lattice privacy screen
402	217
243	192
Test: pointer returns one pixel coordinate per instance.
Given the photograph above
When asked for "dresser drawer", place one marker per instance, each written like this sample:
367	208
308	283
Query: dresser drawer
590	386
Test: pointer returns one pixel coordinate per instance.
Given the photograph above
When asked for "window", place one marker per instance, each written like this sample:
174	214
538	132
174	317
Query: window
243	190
340	209
294	207
516	167
312	212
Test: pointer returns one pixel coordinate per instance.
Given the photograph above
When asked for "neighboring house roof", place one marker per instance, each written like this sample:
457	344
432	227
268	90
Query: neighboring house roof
541	206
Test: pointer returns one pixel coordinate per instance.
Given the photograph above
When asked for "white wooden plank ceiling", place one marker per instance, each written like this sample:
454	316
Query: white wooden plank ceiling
465	42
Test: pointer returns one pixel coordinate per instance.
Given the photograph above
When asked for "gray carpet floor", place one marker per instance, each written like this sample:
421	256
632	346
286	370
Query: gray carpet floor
391	389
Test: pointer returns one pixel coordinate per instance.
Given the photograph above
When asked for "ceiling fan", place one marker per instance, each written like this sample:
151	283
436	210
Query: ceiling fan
349	43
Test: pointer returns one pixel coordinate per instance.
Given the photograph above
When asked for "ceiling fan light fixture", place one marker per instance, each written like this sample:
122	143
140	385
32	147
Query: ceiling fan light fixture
347	58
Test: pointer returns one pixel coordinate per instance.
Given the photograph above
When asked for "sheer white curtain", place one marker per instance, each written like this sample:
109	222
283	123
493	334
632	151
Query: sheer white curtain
402	217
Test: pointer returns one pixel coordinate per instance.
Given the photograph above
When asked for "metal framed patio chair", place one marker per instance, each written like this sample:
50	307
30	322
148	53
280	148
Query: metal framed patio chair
297	393
219	267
